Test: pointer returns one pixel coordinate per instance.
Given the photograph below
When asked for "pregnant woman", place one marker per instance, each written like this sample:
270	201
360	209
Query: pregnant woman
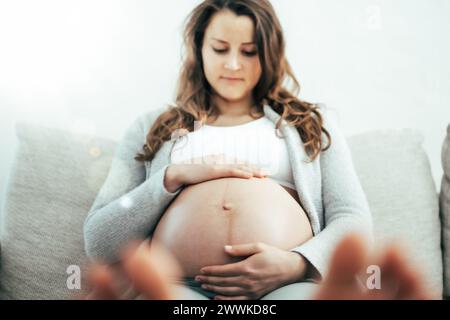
249	187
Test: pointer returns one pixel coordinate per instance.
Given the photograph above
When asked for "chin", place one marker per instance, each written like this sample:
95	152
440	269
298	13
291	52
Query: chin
232	97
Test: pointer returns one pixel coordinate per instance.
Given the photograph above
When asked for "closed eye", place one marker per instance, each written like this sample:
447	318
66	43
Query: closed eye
246	53
220	50
250	53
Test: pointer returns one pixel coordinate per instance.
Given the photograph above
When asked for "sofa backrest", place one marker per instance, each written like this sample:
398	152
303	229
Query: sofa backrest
445	211
395	173
56	176
54	179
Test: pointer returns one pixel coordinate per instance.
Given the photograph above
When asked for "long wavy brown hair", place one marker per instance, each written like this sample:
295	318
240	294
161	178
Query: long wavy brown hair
194	94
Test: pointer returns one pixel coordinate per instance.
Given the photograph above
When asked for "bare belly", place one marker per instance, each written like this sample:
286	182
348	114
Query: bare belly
206	216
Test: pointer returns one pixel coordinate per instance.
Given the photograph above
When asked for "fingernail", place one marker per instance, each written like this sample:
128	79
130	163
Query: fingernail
228	248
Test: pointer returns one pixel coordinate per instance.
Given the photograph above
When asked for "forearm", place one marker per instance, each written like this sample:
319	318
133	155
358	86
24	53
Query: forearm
109	227
173	178
318	250
298	268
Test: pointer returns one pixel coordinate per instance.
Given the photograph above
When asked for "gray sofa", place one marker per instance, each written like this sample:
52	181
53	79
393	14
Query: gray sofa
56	176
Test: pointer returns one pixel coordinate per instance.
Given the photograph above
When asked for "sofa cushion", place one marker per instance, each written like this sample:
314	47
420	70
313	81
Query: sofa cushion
54	179
395	174
445	211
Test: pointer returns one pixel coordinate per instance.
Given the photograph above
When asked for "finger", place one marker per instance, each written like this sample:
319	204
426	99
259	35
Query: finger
246	249
256	170
240	173
398	276
347	261
224	171
221	281
148	271
231	269
101	279
248	168
220	297
260	173
146	277
227	291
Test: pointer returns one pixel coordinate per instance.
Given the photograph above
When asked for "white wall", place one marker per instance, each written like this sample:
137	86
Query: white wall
94	65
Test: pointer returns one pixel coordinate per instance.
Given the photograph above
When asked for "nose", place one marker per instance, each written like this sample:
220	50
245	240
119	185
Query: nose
233	63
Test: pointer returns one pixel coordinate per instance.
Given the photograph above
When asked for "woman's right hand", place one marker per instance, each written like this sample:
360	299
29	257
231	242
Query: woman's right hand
181	174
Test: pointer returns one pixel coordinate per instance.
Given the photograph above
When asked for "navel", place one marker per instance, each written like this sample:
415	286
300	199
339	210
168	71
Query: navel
227	206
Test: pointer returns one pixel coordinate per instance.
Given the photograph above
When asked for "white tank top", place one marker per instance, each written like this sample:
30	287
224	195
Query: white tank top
254	142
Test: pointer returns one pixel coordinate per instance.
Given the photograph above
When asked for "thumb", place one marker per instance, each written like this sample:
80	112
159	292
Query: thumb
348	260
150	269
246	249
101	279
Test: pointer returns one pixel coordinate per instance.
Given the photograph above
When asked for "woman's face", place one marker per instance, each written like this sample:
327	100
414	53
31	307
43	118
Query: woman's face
229	52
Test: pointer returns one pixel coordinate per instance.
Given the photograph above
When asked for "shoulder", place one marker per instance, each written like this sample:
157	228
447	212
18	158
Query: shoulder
330	122
339	148
143	122
329	116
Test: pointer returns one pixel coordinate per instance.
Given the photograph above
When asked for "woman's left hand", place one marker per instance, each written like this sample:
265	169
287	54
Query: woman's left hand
266	269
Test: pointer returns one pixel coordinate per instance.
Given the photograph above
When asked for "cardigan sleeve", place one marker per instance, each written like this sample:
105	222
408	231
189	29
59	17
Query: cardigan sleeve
344	202
127	206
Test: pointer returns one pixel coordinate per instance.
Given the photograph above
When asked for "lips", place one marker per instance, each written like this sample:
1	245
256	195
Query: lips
232	79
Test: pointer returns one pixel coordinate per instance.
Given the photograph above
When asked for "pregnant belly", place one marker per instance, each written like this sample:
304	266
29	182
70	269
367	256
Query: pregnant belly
206	216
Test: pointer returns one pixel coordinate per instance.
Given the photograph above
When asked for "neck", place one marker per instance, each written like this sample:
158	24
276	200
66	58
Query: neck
232	109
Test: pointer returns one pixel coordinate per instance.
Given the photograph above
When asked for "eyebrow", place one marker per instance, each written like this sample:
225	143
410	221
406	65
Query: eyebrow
223	41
